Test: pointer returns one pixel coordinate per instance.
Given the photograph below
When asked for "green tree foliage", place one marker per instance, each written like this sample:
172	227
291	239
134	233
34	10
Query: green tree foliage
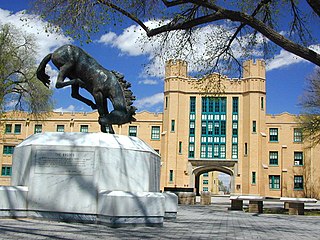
244	26
19	87
310	102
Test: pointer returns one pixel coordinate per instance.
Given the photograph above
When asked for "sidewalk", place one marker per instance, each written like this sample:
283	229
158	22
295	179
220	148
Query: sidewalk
193	222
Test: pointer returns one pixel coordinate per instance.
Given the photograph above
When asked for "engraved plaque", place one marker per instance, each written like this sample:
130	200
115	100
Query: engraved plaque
64	162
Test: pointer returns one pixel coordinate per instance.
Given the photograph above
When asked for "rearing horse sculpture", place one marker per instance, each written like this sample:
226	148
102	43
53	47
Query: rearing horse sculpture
85	72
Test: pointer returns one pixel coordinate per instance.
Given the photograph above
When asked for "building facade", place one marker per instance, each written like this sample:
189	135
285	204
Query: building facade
199	135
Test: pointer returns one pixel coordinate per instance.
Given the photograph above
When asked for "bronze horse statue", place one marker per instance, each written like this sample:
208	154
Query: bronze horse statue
84	71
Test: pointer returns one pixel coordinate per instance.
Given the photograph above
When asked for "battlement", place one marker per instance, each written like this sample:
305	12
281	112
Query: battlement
176	68
255	69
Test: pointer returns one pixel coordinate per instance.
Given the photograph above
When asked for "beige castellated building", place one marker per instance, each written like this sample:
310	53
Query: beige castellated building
200	135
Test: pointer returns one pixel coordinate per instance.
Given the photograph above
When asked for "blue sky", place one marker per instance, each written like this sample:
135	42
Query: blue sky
115	49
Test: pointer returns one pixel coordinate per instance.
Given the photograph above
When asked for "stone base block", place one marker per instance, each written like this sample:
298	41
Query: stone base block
171	205
187	198
205	198
236	205
296	208
63	217
116	208
13	198
255	206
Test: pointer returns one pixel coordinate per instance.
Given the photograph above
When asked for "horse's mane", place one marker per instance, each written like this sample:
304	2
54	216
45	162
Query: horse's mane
128	94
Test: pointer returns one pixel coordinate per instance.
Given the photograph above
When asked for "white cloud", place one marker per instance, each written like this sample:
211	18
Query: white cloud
32	24
149	102
70	108
206	41
148	82
285	58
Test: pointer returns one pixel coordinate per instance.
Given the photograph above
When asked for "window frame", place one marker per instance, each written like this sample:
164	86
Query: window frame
254	126
170	175
297	135
254	177
7	127
132	131
272	154
298	159
37	127
274	182
298	185
17	126
58	128
272	135
82	127
155	132
6	170
8	150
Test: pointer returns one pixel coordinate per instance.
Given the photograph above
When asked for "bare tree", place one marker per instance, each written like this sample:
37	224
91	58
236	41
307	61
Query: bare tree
19	88
310	102
246	25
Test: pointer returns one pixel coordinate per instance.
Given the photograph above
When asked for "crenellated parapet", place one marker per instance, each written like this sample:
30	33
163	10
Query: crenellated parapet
177	79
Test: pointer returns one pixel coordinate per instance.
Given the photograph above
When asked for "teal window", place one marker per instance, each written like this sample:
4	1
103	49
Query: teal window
192	128
192	124
254	178
192	104
6	171
297	135
191	150
8	149
173	122
234	151
235	103
298	158
274	181
155	132
262	102
8	128
254	126
84	128
273	135
180	147
235	110
133	131
205	174
205	189
205	181
38	128
60	128
213	127
171	176
17	129
273	158
298	182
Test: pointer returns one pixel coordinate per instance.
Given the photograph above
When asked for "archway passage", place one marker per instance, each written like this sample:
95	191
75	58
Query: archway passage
198	171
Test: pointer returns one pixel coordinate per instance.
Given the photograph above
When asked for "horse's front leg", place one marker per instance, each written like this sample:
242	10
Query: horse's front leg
103	111
64	71
75	94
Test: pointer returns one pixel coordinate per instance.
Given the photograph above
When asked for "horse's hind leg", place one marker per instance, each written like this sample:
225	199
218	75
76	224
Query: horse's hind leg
75	94
102	110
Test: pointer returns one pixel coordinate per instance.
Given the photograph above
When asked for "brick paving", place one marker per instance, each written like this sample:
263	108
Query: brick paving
193	222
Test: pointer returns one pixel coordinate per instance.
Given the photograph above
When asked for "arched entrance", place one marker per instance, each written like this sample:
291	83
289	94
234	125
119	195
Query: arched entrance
199	167
204	169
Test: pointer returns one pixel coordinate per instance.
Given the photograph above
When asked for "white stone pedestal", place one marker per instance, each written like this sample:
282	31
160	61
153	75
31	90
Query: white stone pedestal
88	177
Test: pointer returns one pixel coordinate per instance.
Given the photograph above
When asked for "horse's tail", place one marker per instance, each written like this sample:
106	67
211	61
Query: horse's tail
128	94
41	74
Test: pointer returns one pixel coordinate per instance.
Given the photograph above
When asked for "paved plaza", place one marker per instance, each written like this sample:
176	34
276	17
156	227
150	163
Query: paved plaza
193	222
